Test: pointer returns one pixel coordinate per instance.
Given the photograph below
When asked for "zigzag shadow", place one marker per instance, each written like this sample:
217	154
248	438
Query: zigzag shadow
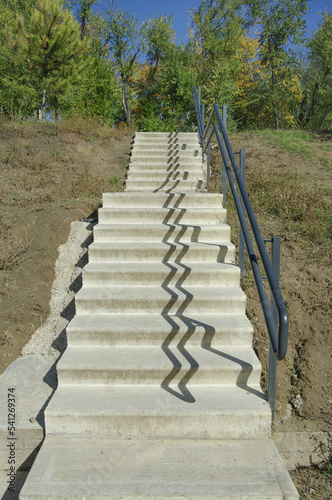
177	318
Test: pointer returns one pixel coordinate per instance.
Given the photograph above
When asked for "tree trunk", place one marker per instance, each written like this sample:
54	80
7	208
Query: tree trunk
56	110
275	111
42	109
125	101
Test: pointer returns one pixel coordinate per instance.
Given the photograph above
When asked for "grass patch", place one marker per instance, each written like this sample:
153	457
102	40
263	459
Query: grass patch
283	195
295	141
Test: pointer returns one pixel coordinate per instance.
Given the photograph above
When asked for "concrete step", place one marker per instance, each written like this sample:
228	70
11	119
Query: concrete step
153	300
214	233
165	168
162	365
166	147
159	175
190	412
158	469
163	252
207	330
163	165
193	156
166	139
181	186
157	142
163	200
194	162
194	216
155	274
149	136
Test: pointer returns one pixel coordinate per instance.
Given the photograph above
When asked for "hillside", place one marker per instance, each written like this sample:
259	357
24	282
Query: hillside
52	175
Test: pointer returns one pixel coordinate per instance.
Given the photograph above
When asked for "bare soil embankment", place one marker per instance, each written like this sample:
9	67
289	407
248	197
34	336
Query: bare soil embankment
52	175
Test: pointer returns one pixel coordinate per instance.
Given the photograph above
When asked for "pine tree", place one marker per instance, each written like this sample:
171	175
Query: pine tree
49	50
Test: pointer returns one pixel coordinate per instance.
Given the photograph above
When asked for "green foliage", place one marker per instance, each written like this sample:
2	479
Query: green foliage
123	37
44	51
158	35
158	39
45	55
316	106
281	23
15	97
99	91
216	31
177	82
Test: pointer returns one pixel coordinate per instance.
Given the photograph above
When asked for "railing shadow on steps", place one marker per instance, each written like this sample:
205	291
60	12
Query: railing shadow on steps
179	294
275	313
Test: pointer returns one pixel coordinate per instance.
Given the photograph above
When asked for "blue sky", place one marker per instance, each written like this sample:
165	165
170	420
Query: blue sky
181	8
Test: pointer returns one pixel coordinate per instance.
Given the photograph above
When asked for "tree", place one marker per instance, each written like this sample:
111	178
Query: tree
216	30
98	93
316	104
281	24
158	36
48	50
252	103
84	14
177	82
123	37
15	96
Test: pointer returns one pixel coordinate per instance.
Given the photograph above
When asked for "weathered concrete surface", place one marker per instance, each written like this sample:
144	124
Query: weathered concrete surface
302	449
172	469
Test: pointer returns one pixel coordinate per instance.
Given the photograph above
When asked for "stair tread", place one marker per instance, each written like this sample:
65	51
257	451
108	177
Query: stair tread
162	199
216	233
165	357
170	225
166	293
207	329
201	267
164	210
166	245
141	400
160	469
165	252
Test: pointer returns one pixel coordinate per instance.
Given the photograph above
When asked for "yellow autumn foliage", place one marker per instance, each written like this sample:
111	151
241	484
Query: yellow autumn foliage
253	101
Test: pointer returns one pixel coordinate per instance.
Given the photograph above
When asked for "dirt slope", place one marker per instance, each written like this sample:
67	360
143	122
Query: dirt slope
51	176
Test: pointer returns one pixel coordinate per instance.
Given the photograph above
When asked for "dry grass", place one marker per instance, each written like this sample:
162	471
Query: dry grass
47	163
285	194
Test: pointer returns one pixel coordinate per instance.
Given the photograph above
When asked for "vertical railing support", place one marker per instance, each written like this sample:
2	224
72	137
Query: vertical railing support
241	239
224	178
208	169
272	372
203	120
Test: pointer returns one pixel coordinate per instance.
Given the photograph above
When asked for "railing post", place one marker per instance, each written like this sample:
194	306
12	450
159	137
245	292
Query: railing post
203	120
208	170
224	178
241	239
272	371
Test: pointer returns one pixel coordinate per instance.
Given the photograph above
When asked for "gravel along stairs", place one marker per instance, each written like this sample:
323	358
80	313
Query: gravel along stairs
159	388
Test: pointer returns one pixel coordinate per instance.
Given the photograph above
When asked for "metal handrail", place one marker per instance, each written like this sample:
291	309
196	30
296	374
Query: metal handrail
277	330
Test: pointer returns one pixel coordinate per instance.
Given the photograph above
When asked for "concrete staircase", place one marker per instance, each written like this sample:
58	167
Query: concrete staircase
159	389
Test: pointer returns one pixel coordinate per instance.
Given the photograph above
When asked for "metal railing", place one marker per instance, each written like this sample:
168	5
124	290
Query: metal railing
275	312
